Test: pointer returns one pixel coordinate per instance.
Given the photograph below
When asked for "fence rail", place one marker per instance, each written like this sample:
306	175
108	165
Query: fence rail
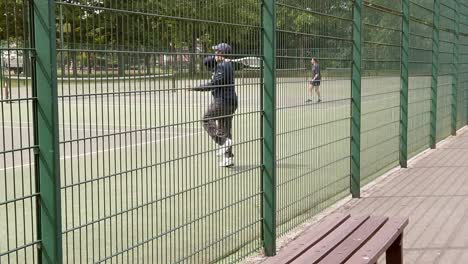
104	155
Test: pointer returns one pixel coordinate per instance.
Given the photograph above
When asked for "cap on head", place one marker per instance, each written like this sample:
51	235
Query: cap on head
223	48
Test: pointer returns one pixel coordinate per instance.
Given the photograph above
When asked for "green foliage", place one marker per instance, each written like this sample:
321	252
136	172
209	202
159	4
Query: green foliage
319	29
158	25
382	36
13	21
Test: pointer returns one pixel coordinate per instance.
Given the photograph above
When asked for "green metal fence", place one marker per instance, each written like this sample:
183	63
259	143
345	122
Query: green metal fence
446	69
312	171
462	102
420	59
20	221
138	182
103	153
382	25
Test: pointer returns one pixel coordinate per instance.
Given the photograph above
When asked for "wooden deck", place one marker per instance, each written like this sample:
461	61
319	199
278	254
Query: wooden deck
433	193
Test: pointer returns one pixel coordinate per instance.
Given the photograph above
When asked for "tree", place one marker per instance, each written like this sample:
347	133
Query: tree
382	38
13	21
314	28
14	33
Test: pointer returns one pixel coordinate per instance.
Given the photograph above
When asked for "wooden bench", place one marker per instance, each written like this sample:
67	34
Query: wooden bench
346	239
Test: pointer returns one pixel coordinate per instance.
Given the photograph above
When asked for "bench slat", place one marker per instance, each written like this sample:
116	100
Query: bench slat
346	249
313	235
326	245
378	244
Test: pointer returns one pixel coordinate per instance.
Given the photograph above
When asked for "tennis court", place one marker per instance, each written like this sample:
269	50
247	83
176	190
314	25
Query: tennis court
139	177
132	160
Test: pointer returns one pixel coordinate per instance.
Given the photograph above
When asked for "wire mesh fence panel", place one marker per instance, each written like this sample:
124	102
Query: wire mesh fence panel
18	179
141	180
462	115
446	69
380	87
162	126
313	107
420	59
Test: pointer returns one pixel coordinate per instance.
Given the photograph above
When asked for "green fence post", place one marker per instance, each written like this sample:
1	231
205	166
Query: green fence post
456	48
269	126
404	84
47	130
356	101
435	73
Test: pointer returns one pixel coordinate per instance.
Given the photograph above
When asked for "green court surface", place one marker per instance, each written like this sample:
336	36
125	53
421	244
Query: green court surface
140	177
137	169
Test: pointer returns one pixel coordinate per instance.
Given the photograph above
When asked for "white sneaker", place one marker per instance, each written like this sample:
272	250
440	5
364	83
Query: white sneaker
227	162
224	148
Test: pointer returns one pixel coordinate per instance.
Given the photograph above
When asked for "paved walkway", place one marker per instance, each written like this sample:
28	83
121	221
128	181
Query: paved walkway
433	193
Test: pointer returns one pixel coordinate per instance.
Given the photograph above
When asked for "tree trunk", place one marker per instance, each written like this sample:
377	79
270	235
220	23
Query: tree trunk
121	62
193	49
147	64
27	69
27	64
90	63
74	65
302	60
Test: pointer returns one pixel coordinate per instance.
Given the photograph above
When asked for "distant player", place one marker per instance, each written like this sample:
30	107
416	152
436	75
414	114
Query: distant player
217	120
314	84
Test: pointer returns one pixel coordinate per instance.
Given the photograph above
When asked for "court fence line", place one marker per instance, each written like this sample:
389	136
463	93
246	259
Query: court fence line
160	200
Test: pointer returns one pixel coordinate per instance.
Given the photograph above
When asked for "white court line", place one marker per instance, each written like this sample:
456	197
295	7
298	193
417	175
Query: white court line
95	125
106	150
69	124
64	131
185	105
75	128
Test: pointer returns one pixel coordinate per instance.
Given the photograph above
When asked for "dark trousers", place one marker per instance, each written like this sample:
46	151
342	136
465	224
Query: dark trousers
217	122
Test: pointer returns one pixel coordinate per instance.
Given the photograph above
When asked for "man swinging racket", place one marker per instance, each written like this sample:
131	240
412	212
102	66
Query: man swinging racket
217	120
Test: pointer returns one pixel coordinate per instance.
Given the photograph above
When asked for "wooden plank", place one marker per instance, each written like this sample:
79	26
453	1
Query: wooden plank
346	249
310	237
330	242
380	242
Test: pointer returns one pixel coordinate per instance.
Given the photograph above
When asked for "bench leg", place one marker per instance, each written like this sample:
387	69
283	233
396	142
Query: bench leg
394	254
